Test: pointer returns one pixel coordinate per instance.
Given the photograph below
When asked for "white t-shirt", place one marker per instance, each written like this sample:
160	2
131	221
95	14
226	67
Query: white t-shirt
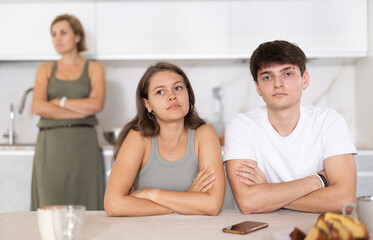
320	133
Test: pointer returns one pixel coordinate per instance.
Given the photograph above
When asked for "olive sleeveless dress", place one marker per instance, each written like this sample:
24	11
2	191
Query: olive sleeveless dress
68	167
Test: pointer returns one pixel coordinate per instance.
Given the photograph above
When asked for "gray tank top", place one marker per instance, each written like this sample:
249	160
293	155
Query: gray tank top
161	174
78	88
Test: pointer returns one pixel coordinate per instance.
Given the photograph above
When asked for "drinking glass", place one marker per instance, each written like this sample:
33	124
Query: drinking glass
67	221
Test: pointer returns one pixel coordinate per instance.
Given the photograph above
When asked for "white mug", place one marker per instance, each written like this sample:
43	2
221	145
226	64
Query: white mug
46	223
60	221
364	210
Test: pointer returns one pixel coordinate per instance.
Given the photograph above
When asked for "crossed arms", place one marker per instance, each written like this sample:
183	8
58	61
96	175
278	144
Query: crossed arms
254	194
74	108
205	195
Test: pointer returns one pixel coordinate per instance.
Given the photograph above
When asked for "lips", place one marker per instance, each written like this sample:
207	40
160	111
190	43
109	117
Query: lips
279	94
173	106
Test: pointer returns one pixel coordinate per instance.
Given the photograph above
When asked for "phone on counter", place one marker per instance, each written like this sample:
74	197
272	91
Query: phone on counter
245	227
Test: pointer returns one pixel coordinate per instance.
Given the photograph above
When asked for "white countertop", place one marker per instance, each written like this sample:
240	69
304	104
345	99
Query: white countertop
24	225
29	149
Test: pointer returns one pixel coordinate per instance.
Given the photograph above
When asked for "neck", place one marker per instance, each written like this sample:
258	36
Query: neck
71	58
284	121
171	134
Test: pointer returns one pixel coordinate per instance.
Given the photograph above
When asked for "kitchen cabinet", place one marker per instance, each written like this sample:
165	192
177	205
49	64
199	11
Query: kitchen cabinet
15	179
16	173
187	29
364	166
25	28
323	29
162	29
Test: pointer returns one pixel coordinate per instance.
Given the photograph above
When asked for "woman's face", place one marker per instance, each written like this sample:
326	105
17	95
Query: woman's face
63	37
167	96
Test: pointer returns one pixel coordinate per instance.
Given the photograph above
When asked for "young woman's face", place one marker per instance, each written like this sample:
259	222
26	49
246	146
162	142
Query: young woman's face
63	37
167	96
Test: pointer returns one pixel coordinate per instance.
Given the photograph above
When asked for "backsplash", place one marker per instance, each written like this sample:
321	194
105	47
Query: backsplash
332	84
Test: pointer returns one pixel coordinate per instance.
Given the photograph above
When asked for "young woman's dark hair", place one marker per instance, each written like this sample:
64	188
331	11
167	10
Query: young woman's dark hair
146	123
276	52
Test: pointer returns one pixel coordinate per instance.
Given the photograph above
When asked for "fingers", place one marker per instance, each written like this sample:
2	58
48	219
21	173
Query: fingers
200	174
93	93
208	187
203	180
246	176
207	184
250	173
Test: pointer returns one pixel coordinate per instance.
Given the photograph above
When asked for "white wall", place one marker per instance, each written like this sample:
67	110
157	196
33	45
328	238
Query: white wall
332	84
363	92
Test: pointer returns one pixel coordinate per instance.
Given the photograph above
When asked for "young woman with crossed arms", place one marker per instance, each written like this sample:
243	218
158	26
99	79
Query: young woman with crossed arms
166	159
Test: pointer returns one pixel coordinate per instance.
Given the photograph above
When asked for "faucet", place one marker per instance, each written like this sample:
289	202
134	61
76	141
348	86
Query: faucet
22	106
218	107
218	114
10	134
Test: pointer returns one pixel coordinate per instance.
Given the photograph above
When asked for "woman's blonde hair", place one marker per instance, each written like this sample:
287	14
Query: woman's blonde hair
76	26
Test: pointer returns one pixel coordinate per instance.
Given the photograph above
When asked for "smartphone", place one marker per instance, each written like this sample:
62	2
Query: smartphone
245	227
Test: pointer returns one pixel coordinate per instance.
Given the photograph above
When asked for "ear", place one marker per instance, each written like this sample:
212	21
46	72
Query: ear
257	88
306	80
77	38
147	105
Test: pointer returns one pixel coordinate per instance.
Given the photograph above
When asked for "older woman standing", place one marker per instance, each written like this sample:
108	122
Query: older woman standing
68	163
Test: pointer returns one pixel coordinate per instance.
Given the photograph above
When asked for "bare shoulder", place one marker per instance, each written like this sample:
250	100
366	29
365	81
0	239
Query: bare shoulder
135	146
45	69
135	139
134	136
95	66
205	130
205	135
47	66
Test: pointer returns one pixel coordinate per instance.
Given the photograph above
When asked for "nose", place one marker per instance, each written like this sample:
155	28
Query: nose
278	82
172	96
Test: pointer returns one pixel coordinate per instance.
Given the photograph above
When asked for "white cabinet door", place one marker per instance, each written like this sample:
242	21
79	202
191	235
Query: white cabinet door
322	28
25	28
15	180
141	29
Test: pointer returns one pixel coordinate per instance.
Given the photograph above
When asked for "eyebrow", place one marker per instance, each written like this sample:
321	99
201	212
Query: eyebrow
281	70
161	86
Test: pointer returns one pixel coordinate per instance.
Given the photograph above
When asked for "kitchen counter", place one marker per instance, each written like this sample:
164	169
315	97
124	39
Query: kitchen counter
27	148
15	174
24	225
16	167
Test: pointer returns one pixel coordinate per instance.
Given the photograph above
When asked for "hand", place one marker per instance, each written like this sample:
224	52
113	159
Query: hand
93	93
203	181
250	173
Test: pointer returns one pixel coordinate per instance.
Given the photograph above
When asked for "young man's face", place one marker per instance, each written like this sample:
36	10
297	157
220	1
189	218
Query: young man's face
281	86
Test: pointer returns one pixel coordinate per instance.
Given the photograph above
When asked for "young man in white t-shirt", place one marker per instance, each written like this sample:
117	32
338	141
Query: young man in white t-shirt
288	155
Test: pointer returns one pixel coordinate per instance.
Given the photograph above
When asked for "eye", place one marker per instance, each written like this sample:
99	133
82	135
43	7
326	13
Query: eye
266	78
178	88
160	92
288	74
